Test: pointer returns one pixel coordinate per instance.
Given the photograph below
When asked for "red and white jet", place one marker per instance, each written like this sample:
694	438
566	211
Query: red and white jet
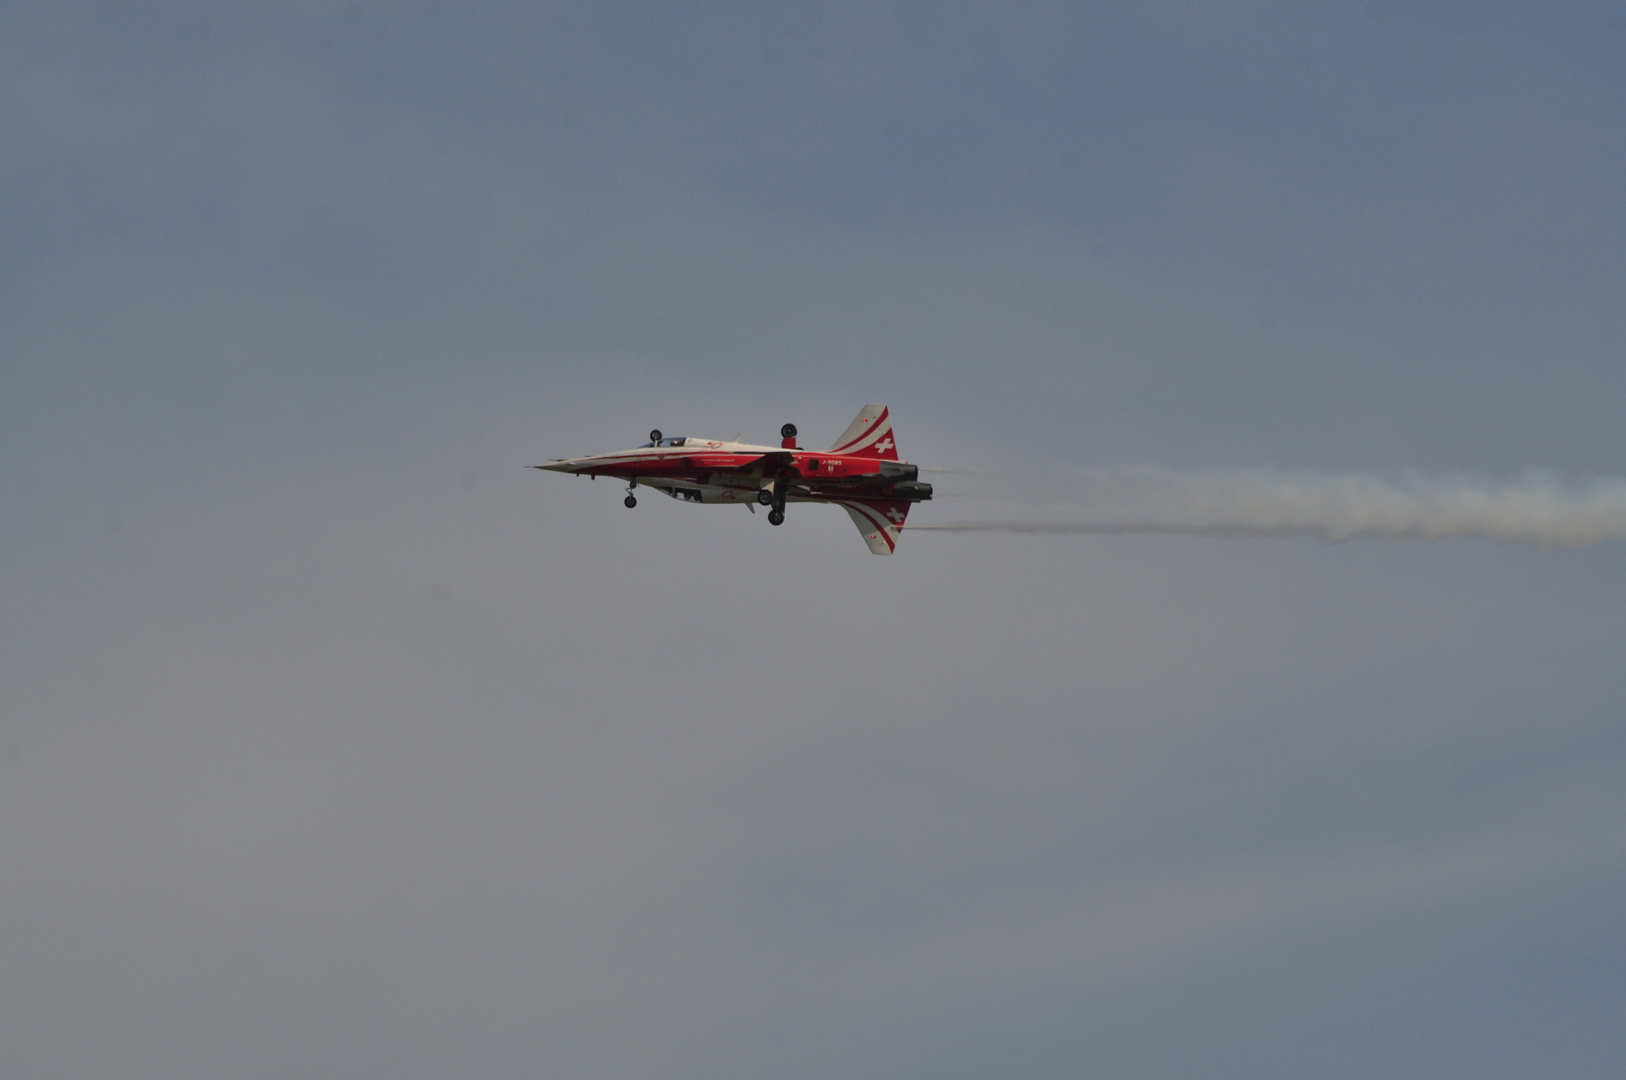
861	474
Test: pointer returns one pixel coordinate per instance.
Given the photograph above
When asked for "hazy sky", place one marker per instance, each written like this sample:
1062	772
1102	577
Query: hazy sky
335	743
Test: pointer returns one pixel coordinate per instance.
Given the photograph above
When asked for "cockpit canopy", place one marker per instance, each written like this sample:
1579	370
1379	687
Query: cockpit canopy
678	441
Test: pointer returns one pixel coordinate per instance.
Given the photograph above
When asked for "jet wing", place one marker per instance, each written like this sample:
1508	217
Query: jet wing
776	460
698	464
768	463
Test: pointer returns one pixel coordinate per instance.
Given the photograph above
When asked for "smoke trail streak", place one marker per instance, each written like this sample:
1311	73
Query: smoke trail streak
1534	508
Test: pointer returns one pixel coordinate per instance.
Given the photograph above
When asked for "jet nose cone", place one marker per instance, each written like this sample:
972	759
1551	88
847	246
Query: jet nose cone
562	465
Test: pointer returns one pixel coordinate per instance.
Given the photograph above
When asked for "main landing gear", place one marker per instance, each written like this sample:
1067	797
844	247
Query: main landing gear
775	499
781	485
776	516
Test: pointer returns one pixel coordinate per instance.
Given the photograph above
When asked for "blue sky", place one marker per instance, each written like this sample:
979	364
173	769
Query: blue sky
333	741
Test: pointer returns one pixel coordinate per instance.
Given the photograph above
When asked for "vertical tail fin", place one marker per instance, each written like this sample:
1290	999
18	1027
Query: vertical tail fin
878	522
868	436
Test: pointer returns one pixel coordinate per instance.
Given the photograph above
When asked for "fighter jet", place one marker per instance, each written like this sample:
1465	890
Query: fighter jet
861	474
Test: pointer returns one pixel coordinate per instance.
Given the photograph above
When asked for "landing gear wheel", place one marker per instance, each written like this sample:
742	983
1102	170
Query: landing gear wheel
655	436
765	497
781	488
630	501
788	431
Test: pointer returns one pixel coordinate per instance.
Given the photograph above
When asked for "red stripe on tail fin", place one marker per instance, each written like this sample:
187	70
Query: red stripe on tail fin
878	522
868	436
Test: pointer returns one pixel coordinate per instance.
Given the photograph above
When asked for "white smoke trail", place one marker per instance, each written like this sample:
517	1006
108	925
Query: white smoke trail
1535	508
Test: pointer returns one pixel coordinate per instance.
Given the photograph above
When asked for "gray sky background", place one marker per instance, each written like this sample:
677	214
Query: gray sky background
336	743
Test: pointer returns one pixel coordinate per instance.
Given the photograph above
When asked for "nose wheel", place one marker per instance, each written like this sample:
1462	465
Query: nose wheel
632	500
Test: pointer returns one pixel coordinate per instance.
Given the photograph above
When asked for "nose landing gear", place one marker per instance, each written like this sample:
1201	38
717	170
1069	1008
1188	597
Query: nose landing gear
630	501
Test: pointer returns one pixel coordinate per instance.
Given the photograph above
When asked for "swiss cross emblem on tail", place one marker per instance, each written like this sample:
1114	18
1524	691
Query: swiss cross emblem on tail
868	436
